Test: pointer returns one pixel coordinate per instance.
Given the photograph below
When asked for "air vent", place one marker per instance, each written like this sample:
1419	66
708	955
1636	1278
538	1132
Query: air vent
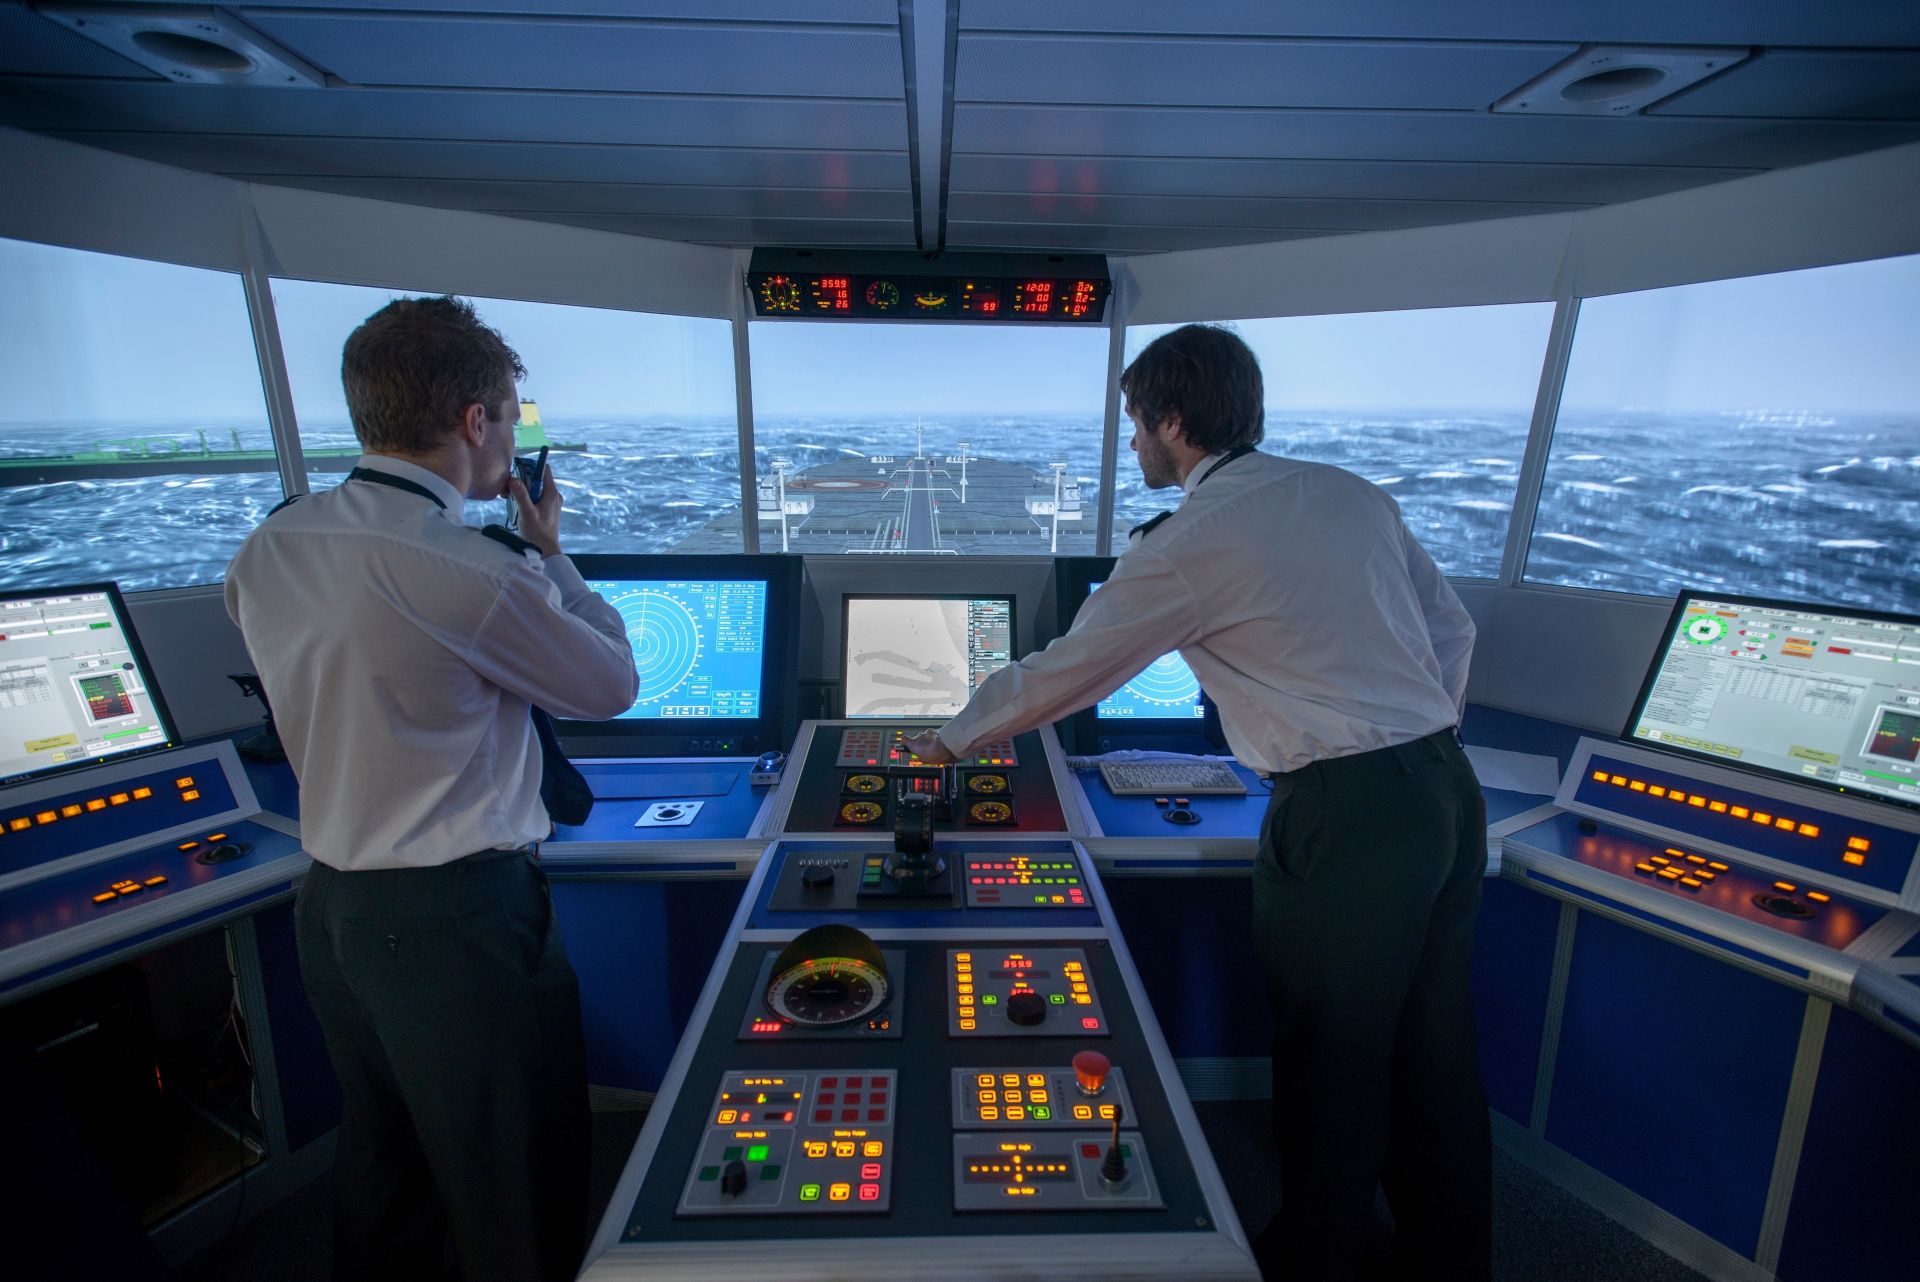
190	46
1617	80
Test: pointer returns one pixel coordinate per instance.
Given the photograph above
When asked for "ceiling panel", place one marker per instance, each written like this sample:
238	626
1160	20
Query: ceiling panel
1798	83
477	115
1233	211
1098	238
1245	73
594	54
1750	22
620	198
1412	136
265	157
1428	180
882	12
30	43
798	233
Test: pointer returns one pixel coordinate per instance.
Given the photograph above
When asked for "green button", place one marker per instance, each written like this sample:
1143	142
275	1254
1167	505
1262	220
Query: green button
1058	999
758	1153
1126	1151
1039	899
990	1000
809	1192
1040	1112
709	1173
771	1171
731	1155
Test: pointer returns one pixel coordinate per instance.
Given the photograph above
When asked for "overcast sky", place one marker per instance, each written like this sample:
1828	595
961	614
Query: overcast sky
93	339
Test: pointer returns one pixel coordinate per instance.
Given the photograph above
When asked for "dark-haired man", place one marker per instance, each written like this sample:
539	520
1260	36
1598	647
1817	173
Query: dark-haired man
1337	655
403	651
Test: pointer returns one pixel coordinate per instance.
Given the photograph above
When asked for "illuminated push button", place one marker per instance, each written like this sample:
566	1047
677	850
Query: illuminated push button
1083	1112
1716	865
141	794
183	782
839	1192
155	881
98	803
809	1192
1090	1069
71	812
106	896
869	1192
46	816
870	1171
1819	896
1644	868
873	1148
118	799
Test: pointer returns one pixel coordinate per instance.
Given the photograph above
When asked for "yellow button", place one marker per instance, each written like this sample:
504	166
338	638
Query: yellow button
141	794
966	1025
1858	843
71	812
98	803
840	1192
1809	830
46	817
119	799
989	1097
191	794
184	781
815	1148
984	1079
873	1148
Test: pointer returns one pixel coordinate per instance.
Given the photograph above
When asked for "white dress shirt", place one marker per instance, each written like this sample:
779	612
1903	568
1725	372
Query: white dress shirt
400	650
1313	618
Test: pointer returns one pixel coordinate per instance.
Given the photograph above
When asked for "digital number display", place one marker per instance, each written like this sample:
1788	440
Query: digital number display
906	297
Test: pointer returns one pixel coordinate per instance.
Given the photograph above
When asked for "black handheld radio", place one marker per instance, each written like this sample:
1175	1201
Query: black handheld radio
533	474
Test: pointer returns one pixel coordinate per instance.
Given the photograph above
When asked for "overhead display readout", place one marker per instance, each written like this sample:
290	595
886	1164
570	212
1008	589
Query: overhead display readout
907	297
1825	696
697	645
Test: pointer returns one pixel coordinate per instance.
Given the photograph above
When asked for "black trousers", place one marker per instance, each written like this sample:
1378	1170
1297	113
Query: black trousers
1365	891
453	1020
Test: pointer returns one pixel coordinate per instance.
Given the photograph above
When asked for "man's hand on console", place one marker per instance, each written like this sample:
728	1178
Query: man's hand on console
929	749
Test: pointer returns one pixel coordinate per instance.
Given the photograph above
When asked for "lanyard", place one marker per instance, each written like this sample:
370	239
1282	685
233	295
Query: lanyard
397	482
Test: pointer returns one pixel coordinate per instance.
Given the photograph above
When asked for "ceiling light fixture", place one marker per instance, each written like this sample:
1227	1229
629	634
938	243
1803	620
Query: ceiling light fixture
1617	80
191	46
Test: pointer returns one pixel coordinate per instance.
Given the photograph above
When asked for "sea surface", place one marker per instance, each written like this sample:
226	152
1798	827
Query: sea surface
1796	505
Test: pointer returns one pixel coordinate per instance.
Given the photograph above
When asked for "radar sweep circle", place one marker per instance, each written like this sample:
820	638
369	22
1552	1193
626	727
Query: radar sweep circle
1167	681
667	641
1705	630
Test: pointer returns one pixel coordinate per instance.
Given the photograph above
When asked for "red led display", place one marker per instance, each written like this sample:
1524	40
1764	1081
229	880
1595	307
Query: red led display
1033	297
1080	298
830	293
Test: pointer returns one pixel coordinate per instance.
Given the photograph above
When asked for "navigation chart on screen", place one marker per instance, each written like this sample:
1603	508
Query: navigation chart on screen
922	656
696	644
1167	688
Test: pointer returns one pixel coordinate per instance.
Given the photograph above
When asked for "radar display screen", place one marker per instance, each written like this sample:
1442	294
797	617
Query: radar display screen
75	688
921	656
1165	688
697	644
1820	695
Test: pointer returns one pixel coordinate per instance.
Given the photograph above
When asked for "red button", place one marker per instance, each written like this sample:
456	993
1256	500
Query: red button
871	1171
1089	1150
849	1114
869	1192
823	1115
854	1082
876	1115
828	1083
1088	1021
826	1097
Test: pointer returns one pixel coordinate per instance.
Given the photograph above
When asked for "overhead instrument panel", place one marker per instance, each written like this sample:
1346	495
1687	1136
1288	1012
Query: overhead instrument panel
963	287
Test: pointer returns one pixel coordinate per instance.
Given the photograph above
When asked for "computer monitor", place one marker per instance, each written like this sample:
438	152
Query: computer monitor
75	687
920	656
1163	707
714	640
1822	695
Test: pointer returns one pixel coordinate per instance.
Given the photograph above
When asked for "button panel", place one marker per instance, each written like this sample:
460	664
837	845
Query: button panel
786	1143
1035	1098
882	746
1022	992
1024	881
1047	1171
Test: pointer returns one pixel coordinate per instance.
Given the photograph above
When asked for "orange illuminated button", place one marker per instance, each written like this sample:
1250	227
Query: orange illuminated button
106	896
71	812
191	794
98	803
21	824
1091	1068
1858	843
1818	896
189	845
46	817
184	781
141	794
119	799
157	880
220	836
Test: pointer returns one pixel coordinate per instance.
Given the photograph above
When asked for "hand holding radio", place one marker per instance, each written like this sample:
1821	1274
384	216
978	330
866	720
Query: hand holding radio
537	502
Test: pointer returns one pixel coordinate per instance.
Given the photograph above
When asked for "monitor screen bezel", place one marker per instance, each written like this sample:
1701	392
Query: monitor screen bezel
1681	604
779	659
846	610
118	603
1074	581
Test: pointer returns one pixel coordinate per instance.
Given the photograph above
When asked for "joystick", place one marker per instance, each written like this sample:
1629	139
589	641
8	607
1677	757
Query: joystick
817	877
1113	1172
733	1178
1026	1007
1091	1069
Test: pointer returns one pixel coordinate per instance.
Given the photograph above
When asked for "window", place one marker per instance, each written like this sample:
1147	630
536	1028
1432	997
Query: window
1432	405
1759	435
927	438
638	410
134	443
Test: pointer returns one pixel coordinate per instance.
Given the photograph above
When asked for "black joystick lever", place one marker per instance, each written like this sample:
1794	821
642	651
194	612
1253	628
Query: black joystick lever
1026	1007
1113	1171
733	1178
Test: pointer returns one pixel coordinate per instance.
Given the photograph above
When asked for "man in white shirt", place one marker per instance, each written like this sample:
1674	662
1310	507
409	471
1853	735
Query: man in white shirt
404	652
1337	655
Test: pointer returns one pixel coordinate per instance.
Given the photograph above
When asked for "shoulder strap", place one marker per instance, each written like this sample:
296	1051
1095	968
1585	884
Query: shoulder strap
508	539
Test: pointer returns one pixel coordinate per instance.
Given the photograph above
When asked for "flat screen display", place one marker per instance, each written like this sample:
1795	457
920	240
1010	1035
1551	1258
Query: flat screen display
1166	688
1821	695
75	687
921	656
698	644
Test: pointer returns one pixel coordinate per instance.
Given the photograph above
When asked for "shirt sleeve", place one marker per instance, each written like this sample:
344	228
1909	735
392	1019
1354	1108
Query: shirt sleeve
553	641
1144	610
1449	626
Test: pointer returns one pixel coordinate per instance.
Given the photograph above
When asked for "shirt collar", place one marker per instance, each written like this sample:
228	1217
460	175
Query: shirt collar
456	501
1200	470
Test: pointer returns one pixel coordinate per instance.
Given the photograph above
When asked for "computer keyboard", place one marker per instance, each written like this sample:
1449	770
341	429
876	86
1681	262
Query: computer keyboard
1168	778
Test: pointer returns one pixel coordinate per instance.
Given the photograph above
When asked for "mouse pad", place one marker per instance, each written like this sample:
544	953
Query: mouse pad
645	783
